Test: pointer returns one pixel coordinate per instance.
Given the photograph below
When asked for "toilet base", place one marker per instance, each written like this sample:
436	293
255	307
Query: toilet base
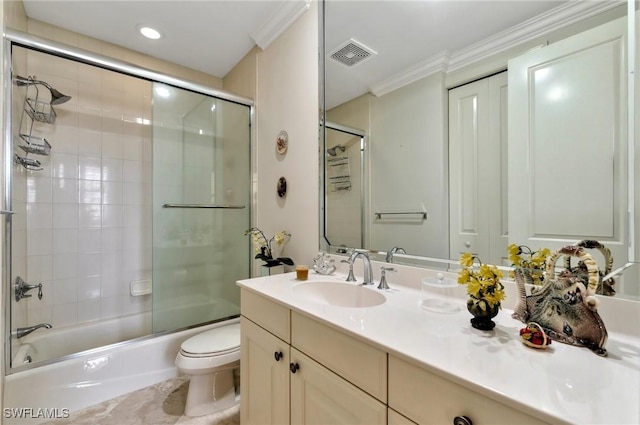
210	393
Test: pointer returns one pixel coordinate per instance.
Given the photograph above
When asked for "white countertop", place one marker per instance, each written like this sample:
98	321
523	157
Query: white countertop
562	384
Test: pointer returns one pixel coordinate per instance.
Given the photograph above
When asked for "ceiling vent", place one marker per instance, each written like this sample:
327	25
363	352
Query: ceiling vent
351	53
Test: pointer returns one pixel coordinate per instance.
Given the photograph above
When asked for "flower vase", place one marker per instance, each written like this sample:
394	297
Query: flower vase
482	313
271	270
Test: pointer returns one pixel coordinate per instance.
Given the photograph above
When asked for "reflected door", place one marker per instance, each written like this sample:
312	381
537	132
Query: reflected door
477	169
568	147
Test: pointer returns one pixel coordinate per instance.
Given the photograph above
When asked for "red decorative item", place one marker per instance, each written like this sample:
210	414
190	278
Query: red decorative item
533	336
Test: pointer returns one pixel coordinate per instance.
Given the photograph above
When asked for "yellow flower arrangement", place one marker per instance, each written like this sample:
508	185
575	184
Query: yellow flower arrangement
535	260
483	283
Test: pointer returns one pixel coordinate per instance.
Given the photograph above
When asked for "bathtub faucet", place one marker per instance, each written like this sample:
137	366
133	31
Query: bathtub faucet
20	332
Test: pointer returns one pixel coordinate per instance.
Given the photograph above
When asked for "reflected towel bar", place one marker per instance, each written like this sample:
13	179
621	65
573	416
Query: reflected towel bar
421	213
232	207
6	212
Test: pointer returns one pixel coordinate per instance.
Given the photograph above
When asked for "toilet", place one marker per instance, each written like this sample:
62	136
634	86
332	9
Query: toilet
209	359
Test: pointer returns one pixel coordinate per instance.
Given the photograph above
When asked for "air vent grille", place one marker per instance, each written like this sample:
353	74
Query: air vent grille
352	53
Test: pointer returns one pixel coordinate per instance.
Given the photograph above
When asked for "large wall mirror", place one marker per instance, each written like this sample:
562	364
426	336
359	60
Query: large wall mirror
466	126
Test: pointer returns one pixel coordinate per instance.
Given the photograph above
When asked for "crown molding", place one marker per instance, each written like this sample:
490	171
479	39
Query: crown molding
564	15
556	18
429	66
279	21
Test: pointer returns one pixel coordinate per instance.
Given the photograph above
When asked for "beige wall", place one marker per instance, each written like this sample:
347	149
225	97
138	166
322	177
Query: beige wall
287	99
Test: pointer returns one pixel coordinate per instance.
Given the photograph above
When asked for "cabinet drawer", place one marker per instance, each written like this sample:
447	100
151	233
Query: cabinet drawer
270	315
429	399
357	362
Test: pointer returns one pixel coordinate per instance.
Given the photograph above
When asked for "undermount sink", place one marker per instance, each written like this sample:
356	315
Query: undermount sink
339	294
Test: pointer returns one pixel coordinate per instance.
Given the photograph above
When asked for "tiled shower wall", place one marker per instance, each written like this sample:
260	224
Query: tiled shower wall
88	211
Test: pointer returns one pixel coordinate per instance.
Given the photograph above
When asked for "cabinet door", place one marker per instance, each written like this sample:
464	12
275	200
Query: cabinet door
320	397
264	377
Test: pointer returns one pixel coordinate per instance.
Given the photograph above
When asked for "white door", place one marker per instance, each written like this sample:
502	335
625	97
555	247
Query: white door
477	169
320	397
567	143
264	377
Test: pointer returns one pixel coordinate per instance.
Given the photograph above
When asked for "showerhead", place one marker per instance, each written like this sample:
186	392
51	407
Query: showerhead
57	98
332	151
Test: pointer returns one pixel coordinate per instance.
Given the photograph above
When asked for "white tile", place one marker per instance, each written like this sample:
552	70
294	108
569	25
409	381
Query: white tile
89	311
65	191
65	266
40	242
42	315
132	171
90	120
90	191
89	215
112	193
90	168
65	139
90	240
65	291
132	149
111	307
112	286
112	145
39	189
89	265
112	239
39	216
112	216
39	268
132	193
133	217
65	241
89	96
111	169
90	143
65	216
89	288
65	314
65	166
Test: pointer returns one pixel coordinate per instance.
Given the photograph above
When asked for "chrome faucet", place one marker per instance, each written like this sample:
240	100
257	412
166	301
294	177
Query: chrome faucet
20	332
392	252
366	263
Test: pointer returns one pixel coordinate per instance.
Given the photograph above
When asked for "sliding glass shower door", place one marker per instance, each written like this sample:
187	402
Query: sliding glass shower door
201	206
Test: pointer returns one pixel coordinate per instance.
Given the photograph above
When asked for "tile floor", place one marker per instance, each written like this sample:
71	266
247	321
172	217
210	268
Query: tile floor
160	404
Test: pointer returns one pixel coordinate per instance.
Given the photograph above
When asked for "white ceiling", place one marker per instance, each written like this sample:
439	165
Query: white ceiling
213	35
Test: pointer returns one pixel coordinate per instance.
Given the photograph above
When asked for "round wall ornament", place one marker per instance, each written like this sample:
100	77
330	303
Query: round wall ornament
282	142
282	187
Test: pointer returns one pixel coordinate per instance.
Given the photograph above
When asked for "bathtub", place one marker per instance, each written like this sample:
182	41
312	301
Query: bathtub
92	376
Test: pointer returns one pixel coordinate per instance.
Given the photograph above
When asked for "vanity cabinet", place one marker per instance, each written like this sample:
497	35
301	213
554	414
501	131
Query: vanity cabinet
429	399
281	384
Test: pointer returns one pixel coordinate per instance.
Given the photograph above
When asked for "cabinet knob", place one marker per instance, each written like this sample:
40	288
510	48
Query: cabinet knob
277	355
293	367
462	420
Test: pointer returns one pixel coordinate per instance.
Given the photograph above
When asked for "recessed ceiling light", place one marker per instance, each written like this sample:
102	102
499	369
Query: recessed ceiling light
150	32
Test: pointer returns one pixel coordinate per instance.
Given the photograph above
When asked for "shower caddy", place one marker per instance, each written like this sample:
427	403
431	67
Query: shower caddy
36	110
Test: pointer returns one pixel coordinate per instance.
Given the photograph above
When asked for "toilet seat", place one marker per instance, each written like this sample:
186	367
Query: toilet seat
215	342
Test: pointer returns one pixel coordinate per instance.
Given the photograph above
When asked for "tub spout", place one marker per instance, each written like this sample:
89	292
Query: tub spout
20	332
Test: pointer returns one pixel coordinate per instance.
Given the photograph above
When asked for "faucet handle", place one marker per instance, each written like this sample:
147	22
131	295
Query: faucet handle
383	277
350	277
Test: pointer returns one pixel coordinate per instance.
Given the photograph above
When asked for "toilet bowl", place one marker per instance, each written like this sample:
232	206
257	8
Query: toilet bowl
209	359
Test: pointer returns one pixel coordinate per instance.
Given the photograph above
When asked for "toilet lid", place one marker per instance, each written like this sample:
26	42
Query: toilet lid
223	339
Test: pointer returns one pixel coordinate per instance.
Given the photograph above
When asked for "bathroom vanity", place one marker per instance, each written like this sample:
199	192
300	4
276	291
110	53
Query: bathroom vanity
328	351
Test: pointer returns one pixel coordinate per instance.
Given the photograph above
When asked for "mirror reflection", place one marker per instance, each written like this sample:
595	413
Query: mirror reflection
506	124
